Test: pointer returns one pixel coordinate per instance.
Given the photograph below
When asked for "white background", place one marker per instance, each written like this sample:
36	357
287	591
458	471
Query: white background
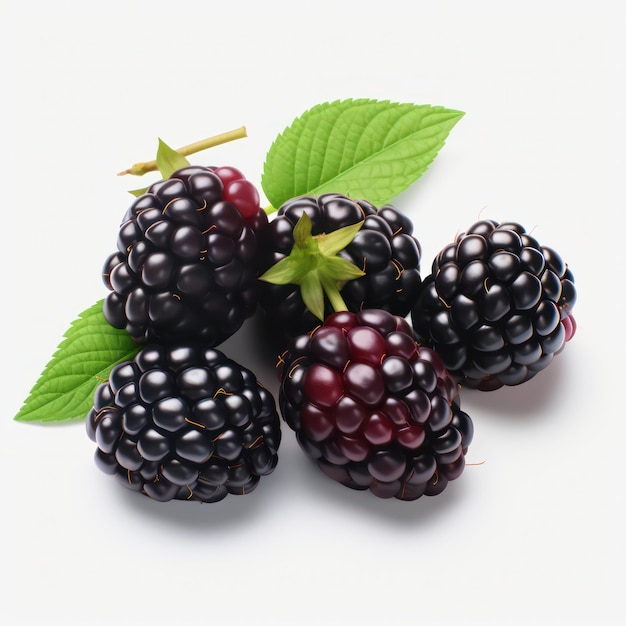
535	534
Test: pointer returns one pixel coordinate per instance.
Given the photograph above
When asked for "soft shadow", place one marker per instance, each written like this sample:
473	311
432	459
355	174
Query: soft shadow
295	480
362	505
256	346
78	422
214	518
529	401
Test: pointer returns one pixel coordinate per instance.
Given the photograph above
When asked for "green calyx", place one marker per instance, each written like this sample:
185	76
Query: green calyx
313	264
169	160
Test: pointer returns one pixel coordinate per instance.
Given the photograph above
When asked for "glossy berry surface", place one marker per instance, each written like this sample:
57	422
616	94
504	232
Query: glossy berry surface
497	305
372	407
384	248
184	423
187	258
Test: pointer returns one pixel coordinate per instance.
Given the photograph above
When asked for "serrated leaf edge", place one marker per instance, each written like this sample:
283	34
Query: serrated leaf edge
39	397
454	115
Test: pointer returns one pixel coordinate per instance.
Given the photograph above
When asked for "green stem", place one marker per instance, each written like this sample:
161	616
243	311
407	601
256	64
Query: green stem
139	169
332	293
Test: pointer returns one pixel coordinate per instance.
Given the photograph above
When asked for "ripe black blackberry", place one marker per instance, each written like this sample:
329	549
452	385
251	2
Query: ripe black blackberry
184	423
384	250
187	260
496	306
372	407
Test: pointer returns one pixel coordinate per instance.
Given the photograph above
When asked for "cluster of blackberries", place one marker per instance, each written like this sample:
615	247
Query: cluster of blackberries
182	420
372	398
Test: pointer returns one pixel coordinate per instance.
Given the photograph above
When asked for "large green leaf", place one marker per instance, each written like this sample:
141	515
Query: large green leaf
82	361
362	148
368	149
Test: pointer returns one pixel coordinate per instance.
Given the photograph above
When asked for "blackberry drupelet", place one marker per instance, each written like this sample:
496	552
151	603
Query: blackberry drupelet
372	407
497	305
384	249
187	261
184	423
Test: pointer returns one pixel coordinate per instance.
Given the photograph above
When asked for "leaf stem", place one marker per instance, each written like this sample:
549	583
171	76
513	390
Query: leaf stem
141	168
332	293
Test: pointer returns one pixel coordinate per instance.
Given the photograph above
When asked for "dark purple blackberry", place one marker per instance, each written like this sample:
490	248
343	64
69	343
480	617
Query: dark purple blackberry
374	409
497	305
384	249
184	423
188	257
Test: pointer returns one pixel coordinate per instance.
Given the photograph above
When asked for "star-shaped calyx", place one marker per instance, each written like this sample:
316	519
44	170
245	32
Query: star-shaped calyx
313	264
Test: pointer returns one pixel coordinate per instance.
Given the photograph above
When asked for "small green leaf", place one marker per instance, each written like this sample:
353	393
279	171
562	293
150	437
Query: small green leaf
302	231
313	265
282	273
82	361
312	294
138	192
290	269
168	160
335	241
340	269
361	148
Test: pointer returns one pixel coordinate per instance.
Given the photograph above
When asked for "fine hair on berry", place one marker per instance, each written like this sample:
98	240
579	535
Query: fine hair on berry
184	423
187	258
497	306
373	408
385	249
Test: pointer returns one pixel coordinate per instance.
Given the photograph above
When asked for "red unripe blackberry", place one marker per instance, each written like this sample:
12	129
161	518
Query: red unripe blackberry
384	249
374	409
184	423
188	258
497	305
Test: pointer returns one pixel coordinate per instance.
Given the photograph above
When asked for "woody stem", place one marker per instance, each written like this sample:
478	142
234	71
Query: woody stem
141	168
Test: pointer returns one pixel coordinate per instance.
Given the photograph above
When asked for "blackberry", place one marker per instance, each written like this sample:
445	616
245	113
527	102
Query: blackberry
184	423
497	305
186	264
372	407
384	250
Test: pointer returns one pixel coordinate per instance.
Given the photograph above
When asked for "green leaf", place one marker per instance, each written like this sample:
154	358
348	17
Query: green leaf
335	241
340	269
368	149
302	231
290	269
168	160
138	192
313	265
312	294
82	361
